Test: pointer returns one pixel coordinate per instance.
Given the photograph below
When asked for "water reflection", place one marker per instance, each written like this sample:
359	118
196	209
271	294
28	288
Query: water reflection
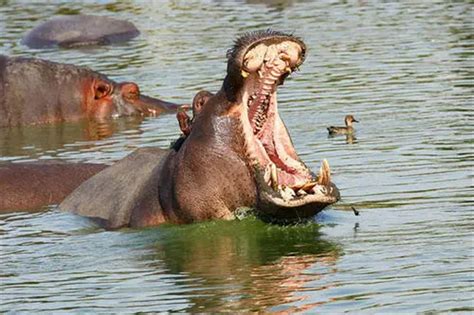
98	130
17	141
276	4
404	67
244	266
350	137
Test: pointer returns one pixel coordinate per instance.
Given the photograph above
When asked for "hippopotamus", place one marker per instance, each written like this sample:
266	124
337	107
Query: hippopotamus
236	154
30	186
79	30
36	91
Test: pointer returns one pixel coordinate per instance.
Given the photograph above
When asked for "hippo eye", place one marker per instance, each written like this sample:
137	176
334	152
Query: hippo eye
134	94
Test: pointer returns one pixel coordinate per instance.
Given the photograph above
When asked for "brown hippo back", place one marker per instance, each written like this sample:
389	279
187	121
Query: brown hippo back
30	186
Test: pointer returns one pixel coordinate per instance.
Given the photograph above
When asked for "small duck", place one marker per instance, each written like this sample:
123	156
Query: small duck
348	129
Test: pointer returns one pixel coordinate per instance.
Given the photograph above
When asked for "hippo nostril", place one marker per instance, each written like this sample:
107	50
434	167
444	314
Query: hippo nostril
132	95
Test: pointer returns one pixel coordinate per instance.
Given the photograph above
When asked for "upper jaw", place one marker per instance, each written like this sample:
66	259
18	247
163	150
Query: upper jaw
257	41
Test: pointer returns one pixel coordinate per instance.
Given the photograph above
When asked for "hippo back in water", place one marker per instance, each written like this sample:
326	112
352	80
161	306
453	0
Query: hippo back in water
30	186
80	30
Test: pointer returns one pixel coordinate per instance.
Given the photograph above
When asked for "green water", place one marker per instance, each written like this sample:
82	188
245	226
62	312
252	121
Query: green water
404	69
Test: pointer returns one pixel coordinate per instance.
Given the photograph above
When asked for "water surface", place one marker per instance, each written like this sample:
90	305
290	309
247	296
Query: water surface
405	70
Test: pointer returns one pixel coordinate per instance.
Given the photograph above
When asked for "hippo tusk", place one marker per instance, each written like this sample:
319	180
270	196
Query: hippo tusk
324	176
274	177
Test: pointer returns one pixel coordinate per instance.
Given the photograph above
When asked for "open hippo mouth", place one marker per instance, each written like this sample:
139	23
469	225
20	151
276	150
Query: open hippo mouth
286	187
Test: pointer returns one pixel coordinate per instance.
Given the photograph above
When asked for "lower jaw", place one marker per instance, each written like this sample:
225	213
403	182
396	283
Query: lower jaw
270	209
274	207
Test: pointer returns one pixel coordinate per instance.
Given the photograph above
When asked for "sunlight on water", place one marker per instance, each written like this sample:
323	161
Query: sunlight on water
405	70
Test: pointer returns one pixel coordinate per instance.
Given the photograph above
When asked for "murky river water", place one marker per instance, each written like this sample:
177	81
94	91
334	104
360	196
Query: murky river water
405	70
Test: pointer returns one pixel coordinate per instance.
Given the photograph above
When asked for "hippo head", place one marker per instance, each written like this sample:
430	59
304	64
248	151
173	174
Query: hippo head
259	63
247	106
107	98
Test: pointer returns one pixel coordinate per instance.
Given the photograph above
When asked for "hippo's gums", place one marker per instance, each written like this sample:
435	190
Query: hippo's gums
237	154
79	30
35	91
29	186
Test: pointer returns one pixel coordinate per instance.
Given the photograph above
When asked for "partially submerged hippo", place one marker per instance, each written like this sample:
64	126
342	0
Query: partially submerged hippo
79	30
36	91
237	154
30	186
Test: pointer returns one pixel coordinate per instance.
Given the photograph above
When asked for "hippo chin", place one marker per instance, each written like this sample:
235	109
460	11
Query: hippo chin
79	30
35	91
237	153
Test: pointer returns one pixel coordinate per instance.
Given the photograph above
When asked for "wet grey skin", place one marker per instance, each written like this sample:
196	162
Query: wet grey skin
79	30
348	129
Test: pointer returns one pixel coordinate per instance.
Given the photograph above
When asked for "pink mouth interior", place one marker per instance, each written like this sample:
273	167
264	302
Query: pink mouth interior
269	140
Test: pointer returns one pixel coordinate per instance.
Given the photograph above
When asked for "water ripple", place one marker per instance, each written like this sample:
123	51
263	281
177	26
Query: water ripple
405	70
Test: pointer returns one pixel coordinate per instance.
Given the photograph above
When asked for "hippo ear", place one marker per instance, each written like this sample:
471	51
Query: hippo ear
102	89
200	100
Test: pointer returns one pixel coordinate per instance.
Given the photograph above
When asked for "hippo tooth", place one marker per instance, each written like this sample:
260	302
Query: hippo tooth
324	177
268	81
288	69
275	73
285	57
273	77
308	186
274	177
271	53
244	73
267	174
328	170
303	186
286	193
301	192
